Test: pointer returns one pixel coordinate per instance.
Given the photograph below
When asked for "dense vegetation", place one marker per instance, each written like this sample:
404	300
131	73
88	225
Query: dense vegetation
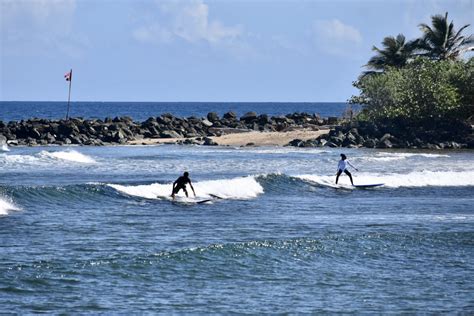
422	90
422	81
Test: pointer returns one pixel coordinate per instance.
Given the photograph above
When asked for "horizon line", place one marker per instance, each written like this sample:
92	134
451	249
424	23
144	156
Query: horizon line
89	101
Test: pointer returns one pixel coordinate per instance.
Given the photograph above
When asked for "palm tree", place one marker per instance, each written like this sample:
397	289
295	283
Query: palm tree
441	41
396	52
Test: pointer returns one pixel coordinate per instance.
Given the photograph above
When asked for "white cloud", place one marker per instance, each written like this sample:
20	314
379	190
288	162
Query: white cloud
335	37
188	21
335	30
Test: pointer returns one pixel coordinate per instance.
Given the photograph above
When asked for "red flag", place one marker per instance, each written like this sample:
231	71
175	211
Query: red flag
68	76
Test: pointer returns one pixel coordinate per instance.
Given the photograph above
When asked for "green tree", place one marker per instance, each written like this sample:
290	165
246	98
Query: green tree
441	41
396	52
422	91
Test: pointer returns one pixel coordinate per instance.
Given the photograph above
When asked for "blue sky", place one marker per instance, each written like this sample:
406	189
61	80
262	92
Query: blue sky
222	51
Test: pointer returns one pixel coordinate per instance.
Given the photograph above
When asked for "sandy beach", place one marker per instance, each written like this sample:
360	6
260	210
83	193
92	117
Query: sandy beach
252	138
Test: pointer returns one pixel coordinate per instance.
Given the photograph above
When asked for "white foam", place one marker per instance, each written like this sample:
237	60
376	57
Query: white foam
237	188
70	155
7	205
396	180
388	156
4	147
20	159
406	155
384	158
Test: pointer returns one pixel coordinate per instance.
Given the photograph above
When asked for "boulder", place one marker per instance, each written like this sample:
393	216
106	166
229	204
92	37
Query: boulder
384	144
295	142
370	143
209	142
249	117
231	116
207	123
170	134
332	120
212	117
330	144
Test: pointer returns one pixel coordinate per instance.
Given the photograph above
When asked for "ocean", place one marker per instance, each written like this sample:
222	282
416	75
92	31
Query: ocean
93	230
140	111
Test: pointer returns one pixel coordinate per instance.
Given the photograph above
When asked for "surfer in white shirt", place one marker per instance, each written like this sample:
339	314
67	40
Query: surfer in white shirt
342	167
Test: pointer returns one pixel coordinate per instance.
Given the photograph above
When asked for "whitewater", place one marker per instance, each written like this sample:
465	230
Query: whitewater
94	230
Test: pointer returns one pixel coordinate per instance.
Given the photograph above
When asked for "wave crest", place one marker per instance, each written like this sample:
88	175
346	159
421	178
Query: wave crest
396	180
69	155
6	204
237	188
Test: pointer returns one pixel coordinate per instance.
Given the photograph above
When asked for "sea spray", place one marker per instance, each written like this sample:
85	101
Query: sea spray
6	204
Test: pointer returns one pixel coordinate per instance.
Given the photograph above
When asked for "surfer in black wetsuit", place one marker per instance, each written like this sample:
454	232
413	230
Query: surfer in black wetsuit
180	183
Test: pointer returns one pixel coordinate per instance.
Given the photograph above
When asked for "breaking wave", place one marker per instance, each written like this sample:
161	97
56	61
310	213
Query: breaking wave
395	180
237	188
69	155
389	156
6	204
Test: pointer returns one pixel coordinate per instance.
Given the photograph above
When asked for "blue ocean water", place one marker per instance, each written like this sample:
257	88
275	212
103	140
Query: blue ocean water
140	111
93	229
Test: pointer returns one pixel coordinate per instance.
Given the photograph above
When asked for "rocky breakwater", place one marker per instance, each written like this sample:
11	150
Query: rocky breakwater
442	135
121	130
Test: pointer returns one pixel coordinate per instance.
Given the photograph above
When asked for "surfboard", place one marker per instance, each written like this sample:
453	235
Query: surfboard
365	186
203	201
184	200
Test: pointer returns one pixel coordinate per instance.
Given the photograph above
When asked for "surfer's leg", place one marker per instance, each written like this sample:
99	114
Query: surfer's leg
350	176
175	191
338	174
185	192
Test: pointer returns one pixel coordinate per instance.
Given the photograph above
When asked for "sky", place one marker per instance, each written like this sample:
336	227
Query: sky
203	51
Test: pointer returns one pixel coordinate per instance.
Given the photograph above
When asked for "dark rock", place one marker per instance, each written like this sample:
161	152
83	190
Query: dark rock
249	117
295	142
209	142
330	144
384	144
263	119
385	137
170	134
231	116
370	143
34	133
119	136
213	117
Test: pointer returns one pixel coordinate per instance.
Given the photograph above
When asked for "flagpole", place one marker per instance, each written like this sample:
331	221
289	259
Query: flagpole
69	96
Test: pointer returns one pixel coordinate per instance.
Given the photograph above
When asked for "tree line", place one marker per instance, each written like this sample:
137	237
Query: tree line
422	80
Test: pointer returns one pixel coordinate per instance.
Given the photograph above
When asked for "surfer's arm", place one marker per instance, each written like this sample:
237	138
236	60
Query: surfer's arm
172	190
192	188
348	162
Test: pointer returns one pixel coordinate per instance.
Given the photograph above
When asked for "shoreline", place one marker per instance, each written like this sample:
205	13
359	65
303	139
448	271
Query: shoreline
294	129
249	138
